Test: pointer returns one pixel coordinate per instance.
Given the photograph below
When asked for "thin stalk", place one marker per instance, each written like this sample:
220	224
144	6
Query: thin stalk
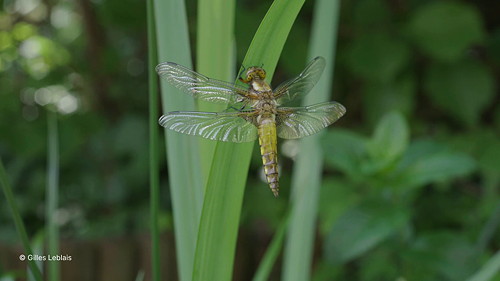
306	179
9	196
272	253
52	195
154	155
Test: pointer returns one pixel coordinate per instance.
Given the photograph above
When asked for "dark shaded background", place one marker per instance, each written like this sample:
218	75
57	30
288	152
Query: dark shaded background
412	172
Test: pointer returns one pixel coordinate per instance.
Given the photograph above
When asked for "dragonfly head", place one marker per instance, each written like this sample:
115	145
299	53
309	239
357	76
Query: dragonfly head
255	72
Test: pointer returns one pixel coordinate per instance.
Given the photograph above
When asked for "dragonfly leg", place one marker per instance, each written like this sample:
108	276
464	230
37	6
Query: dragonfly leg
243	68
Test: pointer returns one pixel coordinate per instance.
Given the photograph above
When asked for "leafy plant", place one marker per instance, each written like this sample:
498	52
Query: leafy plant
390	172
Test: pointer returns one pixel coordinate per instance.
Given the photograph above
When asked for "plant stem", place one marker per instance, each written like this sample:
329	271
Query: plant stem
154	160
52	194
7	189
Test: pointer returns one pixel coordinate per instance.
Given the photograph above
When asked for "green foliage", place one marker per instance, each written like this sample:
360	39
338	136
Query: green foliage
388	160
390	171
377	56
389	140
398	95
445	29
462	89
361	228
440	256
410	186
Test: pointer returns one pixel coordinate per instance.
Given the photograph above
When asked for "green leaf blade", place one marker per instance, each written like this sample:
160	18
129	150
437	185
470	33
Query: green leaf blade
390	140
306	178
224	192
445	29
182	151
361	229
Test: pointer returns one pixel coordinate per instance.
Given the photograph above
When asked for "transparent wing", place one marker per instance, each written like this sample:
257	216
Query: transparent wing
302	84
298	122
198	85
224	126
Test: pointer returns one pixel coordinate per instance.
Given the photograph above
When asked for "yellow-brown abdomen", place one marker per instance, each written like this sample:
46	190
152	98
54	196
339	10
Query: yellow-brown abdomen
269	152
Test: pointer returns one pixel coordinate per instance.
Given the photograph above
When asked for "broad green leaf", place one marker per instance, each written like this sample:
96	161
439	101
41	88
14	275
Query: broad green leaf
344	150
390	139
215	58
380	98
377	56
483	144
489	160
439	256
463	89
420	149
361	229
427	162
445	29
185	178
374	266
336	196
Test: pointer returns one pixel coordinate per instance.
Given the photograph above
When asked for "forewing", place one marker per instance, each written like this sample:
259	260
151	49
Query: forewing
298	122
224	126
302	84
198	85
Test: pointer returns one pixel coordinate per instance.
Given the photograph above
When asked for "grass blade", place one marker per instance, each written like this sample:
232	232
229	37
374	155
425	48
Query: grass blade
489	270
9	196
182	151
224	193
52	194
214	58
154	155
306	179
272	252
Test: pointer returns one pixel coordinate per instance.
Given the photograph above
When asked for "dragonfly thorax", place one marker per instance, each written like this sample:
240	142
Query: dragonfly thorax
265	106
261	88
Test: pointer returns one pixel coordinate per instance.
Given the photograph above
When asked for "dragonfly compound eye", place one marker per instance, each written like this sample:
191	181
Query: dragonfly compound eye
262	73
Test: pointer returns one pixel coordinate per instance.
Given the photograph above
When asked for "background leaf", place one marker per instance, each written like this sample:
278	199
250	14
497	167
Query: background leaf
445	29
390	139
463	89
427	162
399	95
377	56
347	150
362	228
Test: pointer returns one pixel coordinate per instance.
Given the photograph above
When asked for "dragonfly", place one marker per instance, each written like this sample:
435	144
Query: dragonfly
255	110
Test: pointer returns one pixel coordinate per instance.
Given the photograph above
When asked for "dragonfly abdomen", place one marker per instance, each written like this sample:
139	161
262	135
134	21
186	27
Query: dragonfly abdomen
269	152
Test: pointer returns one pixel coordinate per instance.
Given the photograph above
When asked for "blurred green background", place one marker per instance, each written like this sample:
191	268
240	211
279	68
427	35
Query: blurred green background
412	175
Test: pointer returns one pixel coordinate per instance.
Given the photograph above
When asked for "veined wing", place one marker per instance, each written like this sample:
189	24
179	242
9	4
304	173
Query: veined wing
298	122
302	84
198	85
223	126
